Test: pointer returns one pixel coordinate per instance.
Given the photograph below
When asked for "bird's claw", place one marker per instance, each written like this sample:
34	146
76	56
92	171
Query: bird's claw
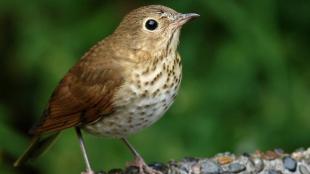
143	167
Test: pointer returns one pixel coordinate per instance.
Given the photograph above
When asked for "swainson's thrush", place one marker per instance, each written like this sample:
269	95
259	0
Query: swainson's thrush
123	84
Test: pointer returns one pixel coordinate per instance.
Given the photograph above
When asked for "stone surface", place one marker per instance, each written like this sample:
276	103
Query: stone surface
210	167
270	162
259	164
303	169
289	163
236	168
272	171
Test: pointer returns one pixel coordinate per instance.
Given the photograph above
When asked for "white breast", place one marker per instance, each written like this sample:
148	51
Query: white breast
149	94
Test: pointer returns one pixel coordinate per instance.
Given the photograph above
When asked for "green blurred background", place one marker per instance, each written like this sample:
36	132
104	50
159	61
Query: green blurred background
246	82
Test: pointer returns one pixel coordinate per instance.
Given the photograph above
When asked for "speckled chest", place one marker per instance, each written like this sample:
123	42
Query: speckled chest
143	99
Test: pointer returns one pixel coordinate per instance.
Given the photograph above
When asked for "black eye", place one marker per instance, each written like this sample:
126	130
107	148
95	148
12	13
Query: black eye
151	24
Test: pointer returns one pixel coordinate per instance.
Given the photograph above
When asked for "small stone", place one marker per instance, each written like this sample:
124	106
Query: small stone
289	163
222	160
259	164
303	169
259	153
298	155
236	168
270	155
210	167
184	169
132	170
195	169
159	166
272	171
173	164
279	151
246	154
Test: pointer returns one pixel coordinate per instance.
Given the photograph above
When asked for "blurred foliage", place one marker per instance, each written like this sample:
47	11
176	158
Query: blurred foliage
246	82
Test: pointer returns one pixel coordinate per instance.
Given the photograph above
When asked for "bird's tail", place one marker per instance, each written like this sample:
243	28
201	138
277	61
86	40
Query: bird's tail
39	144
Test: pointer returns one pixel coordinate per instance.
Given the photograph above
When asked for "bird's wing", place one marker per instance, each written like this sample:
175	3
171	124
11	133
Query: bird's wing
83	96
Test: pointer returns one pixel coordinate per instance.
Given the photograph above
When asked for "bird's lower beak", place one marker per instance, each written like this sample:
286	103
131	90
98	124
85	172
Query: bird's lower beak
181	19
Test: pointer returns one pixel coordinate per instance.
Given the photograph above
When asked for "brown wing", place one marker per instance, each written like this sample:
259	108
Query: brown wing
84	94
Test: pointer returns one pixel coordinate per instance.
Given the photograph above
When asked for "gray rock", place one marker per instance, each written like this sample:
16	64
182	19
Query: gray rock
289	163
210	167
303	169
236	168
159	167
274	172
259	164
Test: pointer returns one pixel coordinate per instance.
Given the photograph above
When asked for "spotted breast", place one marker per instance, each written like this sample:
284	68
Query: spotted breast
150	91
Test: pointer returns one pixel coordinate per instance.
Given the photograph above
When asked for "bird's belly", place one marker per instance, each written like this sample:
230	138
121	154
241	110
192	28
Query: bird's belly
142	100
138	113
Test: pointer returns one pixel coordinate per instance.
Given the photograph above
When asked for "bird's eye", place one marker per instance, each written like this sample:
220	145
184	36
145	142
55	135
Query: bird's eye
151	24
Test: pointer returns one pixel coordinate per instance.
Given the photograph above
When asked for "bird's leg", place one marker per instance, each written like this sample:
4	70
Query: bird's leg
138	160
83	149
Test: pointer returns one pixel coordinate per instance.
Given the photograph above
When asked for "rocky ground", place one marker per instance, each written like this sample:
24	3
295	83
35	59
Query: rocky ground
270	162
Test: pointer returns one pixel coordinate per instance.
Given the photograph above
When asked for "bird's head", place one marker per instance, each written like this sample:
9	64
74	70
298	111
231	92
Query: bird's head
153	28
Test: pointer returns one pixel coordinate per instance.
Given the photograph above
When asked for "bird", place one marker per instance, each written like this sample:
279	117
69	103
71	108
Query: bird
123	84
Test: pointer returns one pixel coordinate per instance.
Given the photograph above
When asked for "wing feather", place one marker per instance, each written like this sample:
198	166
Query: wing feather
84	95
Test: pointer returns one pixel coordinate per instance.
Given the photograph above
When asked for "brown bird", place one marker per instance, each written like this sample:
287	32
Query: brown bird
123	84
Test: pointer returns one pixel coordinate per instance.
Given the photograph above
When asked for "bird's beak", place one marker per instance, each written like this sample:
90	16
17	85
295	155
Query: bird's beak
181	19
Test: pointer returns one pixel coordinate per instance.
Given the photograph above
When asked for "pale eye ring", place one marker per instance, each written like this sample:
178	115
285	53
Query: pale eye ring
151	24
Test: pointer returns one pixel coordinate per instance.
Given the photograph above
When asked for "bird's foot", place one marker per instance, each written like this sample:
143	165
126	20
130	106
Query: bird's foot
88	172
143	167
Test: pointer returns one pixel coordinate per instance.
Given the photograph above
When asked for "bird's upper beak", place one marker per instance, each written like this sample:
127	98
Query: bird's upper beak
184	18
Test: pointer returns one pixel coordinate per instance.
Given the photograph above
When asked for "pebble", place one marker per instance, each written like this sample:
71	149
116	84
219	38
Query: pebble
236	168
272	171
195	169
159	166
297	155
259	164
132	170
279	150
185	167
289	163
210	167
245	172
303	169
222	160
246	154
270	155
